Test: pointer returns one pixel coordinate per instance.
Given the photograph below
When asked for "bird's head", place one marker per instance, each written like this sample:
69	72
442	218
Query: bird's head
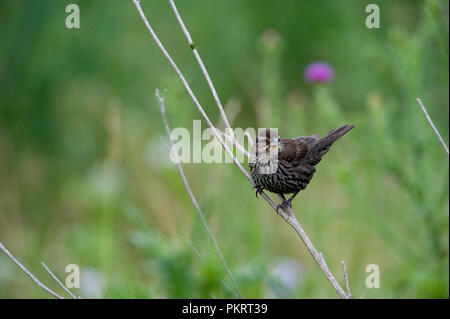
267	145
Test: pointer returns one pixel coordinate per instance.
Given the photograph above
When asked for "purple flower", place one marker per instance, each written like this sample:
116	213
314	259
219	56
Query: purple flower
319	72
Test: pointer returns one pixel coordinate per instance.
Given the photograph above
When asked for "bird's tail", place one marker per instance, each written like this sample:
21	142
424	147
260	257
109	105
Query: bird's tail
324	144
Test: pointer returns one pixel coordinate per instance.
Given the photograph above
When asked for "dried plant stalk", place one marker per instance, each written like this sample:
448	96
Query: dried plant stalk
286	214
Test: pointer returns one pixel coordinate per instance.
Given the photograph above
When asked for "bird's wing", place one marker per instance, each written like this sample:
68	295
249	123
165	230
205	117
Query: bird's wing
304	145
311	141
295	150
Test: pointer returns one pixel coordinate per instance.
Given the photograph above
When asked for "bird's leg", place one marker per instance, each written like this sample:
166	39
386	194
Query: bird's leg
286	203
289	201
259	190
283	201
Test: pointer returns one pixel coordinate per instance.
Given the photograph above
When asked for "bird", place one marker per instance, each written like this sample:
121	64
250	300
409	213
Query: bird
286	166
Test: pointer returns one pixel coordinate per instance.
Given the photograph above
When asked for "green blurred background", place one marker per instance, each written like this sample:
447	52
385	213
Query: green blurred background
85	178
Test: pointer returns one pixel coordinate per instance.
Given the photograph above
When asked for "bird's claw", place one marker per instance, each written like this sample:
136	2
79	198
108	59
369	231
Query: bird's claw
284	205
259	190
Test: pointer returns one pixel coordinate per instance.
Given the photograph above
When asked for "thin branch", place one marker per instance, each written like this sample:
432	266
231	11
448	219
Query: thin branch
57	280
347	284
232	138
286	214
194	99
432	126
195	251
40	284
291	219
188	89
194	200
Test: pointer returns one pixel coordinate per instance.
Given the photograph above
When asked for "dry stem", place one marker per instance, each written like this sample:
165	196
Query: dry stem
432	126
57	280
287	214
40	284
194	200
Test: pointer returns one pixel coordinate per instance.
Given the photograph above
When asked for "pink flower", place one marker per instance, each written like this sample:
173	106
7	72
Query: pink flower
319	72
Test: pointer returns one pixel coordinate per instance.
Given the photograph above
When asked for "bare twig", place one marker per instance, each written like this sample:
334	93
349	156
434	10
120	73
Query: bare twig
208	79
318	257
194	200
40	284
57	280
432	126
290	218
286	214
347	284
194	99
188	89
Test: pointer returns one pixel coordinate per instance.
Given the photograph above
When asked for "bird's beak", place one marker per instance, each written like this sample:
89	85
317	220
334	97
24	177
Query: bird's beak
273	143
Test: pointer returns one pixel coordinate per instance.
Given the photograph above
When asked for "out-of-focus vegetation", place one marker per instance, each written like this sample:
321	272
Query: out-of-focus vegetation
85	178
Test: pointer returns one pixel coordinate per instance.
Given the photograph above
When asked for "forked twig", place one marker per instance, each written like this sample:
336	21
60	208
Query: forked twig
208	79
286	214
189	90
57	280
194	200
432	125
40	284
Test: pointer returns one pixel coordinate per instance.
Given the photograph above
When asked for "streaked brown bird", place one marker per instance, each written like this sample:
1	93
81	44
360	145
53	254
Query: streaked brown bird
286	166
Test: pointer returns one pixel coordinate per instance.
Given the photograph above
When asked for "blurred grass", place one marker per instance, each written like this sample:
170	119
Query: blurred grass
85	178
